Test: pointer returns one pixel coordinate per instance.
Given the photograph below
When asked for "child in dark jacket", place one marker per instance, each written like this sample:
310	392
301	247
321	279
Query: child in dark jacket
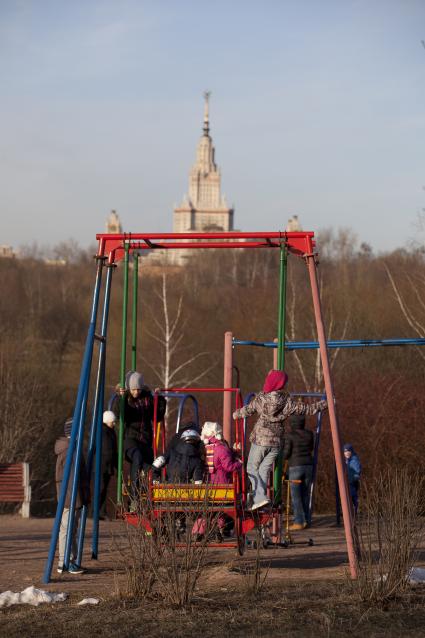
83	498
298	451
273	405
354	470
138	420
183	459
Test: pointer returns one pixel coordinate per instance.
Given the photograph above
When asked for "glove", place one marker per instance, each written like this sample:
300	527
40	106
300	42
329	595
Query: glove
159	462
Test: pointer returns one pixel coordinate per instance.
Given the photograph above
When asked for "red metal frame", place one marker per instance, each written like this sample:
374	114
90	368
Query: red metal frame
244	520
298	243
112	244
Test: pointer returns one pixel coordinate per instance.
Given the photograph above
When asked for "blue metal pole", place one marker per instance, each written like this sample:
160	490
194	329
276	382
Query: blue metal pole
315	461
346	343
80	441
98	470
96	424
183	400
75	432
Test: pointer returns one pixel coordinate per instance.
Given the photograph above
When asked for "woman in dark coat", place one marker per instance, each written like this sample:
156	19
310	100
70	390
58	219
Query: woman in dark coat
138	423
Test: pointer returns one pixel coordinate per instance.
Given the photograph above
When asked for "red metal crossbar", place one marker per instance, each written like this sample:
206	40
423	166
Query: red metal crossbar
112	244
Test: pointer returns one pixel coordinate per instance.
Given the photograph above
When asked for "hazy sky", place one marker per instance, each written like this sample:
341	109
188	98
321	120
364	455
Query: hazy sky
317	109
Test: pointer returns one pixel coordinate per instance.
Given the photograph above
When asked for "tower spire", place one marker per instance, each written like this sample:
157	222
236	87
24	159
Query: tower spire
206	127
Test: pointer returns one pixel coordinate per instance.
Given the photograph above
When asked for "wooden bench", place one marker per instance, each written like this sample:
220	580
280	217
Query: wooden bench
15	485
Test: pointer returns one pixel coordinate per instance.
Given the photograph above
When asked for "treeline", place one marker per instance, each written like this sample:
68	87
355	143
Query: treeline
183	314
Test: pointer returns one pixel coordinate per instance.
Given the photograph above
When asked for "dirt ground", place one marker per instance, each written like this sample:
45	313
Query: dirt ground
24	545
306	593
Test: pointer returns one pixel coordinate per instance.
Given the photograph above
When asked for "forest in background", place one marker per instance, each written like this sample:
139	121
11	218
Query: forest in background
183	315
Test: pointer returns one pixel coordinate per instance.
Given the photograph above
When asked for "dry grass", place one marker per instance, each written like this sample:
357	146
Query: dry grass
389	534
293	611
161	556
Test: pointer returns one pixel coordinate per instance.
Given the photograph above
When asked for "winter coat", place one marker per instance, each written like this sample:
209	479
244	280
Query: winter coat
138	417
109	450
298	446
83	492
223	462
354	467
184	462
273	408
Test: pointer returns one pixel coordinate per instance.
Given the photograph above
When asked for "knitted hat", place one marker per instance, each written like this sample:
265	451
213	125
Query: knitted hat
68	427
109	417
136	381
189	425
348	448
209	429
188	435
275	380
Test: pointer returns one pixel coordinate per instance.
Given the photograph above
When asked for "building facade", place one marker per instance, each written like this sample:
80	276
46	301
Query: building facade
204	209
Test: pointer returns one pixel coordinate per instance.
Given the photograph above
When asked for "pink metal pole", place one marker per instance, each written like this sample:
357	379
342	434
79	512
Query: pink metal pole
339	461
227	383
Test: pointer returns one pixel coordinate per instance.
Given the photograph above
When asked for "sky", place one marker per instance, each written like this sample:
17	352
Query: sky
317	109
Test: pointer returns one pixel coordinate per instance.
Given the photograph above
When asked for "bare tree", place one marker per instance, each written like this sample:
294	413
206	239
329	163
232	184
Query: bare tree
174	367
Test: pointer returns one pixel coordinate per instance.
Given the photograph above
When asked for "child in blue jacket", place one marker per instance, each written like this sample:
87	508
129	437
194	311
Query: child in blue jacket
354	470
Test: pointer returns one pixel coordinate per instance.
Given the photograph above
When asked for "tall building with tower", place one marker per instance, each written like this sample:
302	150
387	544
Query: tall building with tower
204	208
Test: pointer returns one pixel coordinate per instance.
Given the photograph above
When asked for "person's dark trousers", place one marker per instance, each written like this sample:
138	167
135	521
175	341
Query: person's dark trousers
300	492
141	458
354	493
106	478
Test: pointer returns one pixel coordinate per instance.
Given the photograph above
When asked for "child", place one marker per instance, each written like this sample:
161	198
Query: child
109	458
354	470
221	463
83	498
298	451
273	405
183	459
221	460
184	462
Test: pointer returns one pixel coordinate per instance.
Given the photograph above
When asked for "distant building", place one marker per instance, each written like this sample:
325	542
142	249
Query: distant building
113	223
204	209
293	225
7	252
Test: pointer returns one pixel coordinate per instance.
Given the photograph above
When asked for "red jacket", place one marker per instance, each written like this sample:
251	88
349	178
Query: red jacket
221	461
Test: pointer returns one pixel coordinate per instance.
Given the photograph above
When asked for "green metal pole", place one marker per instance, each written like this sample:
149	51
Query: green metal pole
278	472
282	308
122	376
134	320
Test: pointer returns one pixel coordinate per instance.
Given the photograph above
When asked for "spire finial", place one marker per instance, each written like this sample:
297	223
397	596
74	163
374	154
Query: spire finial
206	112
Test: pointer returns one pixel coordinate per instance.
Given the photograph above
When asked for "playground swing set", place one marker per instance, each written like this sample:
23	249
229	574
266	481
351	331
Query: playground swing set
113	248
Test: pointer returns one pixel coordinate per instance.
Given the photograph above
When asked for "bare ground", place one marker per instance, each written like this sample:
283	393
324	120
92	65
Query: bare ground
307	592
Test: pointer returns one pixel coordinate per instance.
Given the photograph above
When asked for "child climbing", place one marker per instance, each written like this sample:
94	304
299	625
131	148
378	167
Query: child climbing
273	405
138	420
354	470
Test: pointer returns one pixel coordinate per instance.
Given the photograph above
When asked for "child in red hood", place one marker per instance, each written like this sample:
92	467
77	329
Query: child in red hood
273	405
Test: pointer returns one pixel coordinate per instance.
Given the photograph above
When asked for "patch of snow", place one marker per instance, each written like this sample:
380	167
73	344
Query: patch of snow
30	596
417	575
89	601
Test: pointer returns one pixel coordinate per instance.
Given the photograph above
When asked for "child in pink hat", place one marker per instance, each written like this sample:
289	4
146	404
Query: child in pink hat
273	406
